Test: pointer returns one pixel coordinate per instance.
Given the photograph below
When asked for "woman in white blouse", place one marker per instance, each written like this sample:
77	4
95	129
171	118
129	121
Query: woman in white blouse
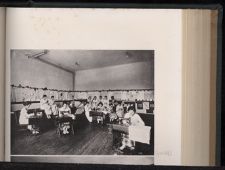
24	117
131	119
44	105
65	111
87	109
53	106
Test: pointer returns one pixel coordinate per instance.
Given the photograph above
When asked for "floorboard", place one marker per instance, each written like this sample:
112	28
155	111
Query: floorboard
89	139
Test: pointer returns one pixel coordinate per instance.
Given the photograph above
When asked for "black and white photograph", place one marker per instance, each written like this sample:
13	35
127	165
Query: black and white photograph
82	102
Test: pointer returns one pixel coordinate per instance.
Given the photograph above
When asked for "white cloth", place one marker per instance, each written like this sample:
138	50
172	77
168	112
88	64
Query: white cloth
140	95
51	102
119	111
140	134
132	95
61	95
80	109
105	103
136	120
110	94
67	112
54	108
83	95
117	95
39	93
45	106
65	96
19	94
94	103
70	95
32	95
65	109
56	95
13	94
87	108
147	95
23	119
51	93
124	95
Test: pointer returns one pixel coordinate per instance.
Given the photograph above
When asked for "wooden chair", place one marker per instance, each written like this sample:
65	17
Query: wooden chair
18	127
118	131
61	121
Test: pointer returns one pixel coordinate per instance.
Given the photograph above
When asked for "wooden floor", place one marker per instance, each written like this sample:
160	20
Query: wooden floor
89	139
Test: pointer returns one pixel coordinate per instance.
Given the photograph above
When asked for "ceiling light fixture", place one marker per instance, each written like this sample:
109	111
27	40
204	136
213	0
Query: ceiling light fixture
38	54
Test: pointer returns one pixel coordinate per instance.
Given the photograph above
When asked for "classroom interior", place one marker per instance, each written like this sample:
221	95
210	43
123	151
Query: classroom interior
92	84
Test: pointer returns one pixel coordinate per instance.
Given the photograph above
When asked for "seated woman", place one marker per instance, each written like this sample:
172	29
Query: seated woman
87	109
100	99
133	119
80	108
100	108
65	111
24	118
113	103
89	100
54	108
72	107
112	114
105	102
44	105
94	103
120	110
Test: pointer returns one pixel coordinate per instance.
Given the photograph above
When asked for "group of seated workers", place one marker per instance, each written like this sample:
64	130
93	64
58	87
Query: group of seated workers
51	110
118	112
114	111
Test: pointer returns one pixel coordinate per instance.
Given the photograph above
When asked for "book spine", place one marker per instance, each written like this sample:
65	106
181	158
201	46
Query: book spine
2	79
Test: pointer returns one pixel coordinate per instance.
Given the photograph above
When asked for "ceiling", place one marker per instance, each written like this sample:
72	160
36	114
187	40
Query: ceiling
74	60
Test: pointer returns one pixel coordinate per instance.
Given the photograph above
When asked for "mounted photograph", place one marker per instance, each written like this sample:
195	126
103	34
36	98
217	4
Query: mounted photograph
82	103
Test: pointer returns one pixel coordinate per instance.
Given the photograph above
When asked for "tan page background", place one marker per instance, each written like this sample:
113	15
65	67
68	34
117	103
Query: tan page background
139	29
2	81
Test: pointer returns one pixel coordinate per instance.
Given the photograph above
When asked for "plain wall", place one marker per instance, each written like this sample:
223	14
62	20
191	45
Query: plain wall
127	76
35	73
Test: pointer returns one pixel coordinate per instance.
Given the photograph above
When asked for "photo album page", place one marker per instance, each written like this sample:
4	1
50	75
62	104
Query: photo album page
94	85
